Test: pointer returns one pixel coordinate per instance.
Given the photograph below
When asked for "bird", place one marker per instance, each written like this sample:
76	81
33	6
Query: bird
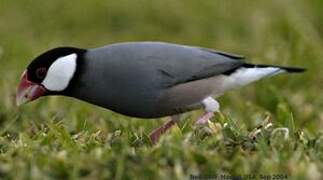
142	79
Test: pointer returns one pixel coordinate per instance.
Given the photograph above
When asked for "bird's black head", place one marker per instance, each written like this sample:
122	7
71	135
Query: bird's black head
49	73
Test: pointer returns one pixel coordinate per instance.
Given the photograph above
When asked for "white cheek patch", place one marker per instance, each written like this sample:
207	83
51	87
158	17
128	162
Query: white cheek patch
60	73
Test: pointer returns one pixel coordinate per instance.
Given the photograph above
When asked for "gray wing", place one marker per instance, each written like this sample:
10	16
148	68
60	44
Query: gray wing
164	64
180	64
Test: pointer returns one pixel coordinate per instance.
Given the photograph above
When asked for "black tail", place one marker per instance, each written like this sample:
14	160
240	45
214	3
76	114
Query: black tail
287	69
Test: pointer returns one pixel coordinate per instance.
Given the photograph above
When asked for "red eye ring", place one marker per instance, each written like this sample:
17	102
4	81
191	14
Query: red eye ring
41	72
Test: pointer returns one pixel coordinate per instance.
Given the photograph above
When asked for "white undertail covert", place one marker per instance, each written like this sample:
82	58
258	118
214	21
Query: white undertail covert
246	75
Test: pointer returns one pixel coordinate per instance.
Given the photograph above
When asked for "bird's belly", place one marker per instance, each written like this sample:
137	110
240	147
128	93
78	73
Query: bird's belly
136	104
189	96
152	103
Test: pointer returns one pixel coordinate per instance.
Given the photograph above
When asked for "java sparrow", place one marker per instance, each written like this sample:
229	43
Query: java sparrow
142	79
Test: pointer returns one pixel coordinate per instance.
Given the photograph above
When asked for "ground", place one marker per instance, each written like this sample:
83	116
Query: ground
271	129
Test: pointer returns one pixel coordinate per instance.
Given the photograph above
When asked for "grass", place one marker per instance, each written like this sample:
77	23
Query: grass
270	129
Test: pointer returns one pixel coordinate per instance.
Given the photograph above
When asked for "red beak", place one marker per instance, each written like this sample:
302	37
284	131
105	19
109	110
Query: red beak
28	91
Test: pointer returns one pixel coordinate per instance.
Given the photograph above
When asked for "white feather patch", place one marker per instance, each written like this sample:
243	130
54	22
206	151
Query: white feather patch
244	76
60	73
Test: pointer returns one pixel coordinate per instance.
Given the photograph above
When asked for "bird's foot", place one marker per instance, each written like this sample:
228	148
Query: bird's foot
156	133
204	119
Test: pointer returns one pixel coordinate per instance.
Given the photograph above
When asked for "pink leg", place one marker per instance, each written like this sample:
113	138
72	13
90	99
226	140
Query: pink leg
204	119
156	133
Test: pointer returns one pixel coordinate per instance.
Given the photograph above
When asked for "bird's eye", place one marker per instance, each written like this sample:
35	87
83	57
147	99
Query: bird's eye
41	72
